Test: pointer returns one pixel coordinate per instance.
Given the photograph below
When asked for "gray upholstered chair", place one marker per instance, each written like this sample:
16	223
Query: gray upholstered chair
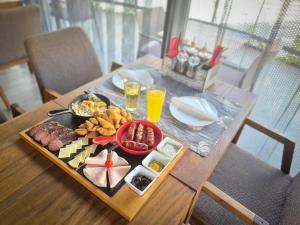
16	110
62	61
3	118
246	190
10	4
16	24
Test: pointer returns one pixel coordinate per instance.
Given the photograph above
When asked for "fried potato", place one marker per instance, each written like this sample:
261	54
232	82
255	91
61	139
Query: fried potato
123	112
81	132
129	117
123	120
94	121
82	126
88	124
91	134
106	132
105	124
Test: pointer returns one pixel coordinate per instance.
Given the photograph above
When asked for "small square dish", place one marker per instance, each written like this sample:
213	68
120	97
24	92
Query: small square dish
156	162
140	179
169	147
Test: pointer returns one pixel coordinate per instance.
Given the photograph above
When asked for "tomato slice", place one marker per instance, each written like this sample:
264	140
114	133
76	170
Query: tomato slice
108	163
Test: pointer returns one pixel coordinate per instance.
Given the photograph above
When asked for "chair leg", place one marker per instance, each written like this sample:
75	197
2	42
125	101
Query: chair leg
4	98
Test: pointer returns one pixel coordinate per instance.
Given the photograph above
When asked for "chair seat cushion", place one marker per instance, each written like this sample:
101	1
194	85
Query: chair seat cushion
291	211
250	181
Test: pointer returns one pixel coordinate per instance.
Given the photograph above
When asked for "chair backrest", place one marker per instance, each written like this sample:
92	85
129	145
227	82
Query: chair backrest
3	118
16	24
291	209
250	73
62	60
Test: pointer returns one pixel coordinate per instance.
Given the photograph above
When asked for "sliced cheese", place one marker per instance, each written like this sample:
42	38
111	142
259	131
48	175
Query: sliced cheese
92	148
73	148
64	152
74	162
85	141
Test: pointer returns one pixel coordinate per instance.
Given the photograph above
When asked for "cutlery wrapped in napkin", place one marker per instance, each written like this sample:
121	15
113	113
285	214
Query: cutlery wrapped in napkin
196	107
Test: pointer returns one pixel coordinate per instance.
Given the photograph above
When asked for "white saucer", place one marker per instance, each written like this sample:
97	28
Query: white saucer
144	79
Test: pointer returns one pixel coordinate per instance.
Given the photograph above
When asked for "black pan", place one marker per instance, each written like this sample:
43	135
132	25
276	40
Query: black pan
78	98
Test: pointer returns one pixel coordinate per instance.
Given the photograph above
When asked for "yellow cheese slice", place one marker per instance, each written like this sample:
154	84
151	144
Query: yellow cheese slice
85	141
73	148
92	148
64	152
74	162
85	154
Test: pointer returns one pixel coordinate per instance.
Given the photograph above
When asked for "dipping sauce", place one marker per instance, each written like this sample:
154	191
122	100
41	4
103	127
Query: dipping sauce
156	165
170	149
141	182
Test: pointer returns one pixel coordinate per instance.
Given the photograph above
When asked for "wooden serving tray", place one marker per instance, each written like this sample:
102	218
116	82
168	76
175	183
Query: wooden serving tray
126	202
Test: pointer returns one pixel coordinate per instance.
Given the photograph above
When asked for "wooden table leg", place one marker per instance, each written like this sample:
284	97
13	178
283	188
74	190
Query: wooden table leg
4	98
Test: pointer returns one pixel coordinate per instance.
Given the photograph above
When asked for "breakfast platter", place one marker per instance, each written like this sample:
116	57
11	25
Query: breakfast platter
121	160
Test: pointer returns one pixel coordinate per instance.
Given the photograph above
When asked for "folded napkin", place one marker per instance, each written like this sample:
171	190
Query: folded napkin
141	75
196	107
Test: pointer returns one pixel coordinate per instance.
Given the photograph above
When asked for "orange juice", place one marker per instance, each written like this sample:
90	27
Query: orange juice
155	99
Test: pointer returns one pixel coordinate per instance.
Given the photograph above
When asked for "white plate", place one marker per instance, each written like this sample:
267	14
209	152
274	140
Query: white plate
188	119
145	79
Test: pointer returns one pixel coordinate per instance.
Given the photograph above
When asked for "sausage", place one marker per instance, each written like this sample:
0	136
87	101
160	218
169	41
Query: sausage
129	144
150	137
131	132
135	145
139	133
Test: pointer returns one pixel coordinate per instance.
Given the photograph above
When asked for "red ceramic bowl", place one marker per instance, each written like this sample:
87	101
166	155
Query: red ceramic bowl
121	136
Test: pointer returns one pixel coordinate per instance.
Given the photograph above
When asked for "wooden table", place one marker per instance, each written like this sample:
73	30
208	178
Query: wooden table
33	191
192	163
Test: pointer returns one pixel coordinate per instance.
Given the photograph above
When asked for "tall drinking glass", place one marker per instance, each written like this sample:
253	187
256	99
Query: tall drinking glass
132	90
155	97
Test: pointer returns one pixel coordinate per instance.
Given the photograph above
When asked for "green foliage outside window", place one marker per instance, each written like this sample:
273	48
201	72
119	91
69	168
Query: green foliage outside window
292	59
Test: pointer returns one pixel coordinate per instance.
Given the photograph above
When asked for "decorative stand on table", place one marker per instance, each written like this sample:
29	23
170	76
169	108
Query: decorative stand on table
200	80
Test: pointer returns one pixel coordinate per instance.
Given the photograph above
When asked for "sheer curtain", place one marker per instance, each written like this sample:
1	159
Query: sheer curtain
249	29
120	31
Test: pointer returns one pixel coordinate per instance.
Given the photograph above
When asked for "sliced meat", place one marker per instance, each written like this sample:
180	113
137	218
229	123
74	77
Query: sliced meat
40	134
55	144
54	133
96	175
116	174
39	127
117	160
98	160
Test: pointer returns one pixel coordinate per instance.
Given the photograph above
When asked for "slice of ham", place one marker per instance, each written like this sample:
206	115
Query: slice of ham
96	175
117	160
116	174
98	160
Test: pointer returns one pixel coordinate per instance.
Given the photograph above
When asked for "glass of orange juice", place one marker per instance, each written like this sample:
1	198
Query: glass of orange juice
155	97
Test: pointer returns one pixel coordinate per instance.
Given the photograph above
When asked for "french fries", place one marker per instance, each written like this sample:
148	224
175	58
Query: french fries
104	123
